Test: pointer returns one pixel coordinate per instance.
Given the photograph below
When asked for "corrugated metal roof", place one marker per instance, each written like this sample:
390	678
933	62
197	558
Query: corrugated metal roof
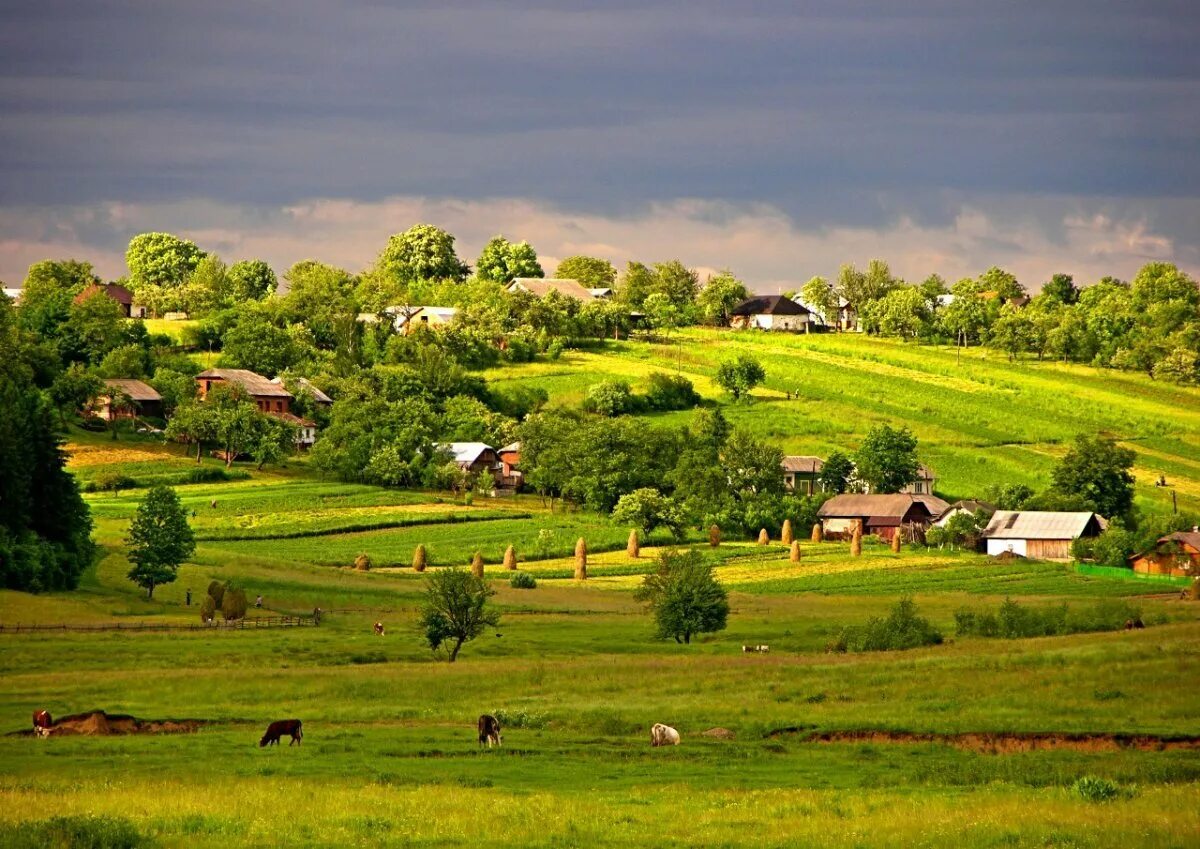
802	464
464	452
1037	524
541	286
135	389
255	384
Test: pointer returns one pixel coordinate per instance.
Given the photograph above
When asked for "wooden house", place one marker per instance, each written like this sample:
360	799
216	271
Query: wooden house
880	515
510	466
800	474
1176	554
144	400
115	291
475	458
269	396
770	312
1037	534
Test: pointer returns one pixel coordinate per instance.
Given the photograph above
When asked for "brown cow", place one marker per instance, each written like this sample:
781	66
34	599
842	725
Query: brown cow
284	726
42	723
379	629
489	731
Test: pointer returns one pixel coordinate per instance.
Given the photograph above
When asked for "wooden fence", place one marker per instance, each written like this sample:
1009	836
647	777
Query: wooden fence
251	624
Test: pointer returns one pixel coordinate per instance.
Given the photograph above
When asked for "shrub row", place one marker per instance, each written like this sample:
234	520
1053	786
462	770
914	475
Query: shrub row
1013	620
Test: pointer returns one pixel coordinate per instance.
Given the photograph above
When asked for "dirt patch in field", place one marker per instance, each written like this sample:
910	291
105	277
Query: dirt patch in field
718	733
97	723
1009	743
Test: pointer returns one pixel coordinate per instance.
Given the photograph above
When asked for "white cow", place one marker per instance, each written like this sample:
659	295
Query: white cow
663	735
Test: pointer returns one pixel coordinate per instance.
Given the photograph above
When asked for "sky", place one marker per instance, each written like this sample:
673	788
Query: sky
776	139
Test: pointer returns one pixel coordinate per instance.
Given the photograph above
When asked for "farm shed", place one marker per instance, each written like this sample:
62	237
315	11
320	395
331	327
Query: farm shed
146	400
510	466
875	514
800	473
770	312
1176	554
1041	535
541	286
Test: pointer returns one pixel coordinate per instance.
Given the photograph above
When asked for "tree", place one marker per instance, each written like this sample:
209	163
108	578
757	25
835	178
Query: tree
234	420
637	283
684	596
887	459
96	325
456	610
422	252
269	440
1002	283
251	280
256	343
45	526
902	312
160	259
1097	470
120	405
662	313
647	509
193	423
740	375
720	294
73	390
159	539
677	282
126	361
502	260
1061	288
818	295
590	271
50	286
860	288
1013	332
966	317
836	472
318	295
209	288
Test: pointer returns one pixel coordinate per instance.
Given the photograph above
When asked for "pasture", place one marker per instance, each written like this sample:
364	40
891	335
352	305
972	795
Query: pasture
977	742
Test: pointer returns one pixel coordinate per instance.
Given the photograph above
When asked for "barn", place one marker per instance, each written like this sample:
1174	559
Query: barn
770	312
880	515
1041	535
1176	554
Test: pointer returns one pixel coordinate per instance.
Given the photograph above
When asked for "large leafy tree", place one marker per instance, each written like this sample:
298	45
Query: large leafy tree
161	259
684	596
251	280
456	610
95	326
257	343
902	312
835	473
887	459
1097	469
502	260
1061	287
319	295
422	252
820	296
46	296
646	509
160	539
1002	283
739	375
720	294
589	270
45	527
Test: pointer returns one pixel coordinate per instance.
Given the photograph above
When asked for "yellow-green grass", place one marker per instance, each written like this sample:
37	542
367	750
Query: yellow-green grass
980	421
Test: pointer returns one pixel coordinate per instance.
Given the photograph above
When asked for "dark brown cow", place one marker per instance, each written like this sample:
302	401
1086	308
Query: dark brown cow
42	723
489	731
284	726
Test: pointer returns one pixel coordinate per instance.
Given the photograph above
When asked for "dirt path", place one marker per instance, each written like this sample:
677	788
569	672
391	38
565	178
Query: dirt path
1005	743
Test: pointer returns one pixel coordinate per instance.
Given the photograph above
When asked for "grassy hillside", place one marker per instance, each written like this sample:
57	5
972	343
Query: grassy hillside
980	419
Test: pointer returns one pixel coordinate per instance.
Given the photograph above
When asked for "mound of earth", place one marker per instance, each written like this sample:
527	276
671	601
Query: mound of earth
97	723
1007	742
718	733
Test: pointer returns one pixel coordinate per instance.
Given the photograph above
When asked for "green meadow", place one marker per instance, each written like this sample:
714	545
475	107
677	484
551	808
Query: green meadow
827	749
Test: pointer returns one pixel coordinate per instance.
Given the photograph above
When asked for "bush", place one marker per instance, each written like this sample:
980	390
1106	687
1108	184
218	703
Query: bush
671	392
1013	620
520	719
610	398
522	581
1093	789
902	629
113	482
208	474
76	832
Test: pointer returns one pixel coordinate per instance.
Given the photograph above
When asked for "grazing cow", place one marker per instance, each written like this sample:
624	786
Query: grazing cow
489	731
663	735
42	723
379	629
758	649
284	726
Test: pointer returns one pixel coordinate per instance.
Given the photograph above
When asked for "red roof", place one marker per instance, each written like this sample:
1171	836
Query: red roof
114	290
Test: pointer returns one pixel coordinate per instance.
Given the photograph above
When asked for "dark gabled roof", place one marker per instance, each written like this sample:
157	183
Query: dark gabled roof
114	290
768	305
802	464
852	505
1191	538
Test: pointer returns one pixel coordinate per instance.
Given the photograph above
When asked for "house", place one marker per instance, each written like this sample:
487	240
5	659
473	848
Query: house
1037	534
474	458
145	400
406	320
800	474
847	316
923	485
113	290
771	312
510	466
1176	554
11	293
539	287
874	514
319	397
968	506
269	396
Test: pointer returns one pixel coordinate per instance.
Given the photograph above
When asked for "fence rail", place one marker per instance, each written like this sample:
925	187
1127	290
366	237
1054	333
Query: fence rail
251	624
